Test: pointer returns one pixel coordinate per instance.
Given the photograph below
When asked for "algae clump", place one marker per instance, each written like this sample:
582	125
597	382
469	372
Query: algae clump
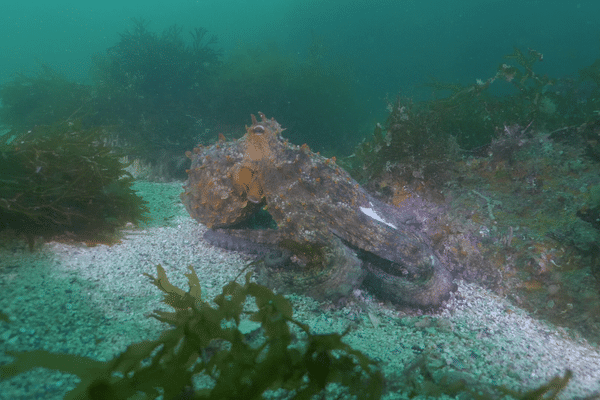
61	179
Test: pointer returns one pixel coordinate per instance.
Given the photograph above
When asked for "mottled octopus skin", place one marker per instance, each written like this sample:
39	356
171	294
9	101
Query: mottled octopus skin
338	233
271	255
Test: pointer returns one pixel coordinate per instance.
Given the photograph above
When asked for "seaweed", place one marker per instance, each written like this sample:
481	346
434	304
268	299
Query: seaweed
157	87
4	317
548	391
413	136
61	179
161	66
207	341
423	378
43	99
420	138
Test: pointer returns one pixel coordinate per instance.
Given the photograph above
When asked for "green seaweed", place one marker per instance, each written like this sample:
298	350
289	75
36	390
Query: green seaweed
61	179
207	341
157	88
423	378
413	135
156	67
43	99
4	317
419	138
548	391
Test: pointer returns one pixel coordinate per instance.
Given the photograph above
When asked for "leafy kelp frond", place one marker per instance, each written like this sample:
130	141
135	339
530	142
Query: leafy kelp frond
208	343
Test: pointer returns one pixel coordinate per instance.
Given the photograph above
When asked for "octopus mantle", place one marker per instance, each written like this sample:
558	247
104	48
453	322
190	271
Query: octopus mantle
331	236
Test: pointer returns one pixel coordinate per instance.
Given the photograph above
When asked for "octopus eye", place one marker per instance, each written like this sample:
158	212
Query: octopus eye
259	129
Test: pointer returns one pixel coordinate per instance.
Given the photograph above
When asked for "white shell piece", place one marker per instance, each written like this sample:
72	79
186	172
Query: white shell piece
371	213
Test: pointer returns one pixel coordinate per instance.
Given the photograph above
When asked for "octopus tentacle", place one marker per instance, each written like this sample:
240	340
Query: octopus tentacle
427	288
271	255
333	278
324	219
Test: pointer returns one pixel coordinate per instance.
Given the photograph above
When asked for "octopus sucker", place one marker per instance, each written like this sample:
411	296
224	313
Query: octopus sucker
331	235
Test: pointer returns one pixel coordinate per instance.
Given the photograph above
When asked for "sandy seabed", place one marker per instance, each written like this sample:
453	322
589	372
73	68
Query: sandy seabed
95	301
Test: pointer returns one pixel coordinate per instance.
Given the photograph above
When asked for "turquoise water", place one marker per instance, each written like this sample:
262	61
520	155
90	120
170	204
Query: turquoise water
394	45
522	202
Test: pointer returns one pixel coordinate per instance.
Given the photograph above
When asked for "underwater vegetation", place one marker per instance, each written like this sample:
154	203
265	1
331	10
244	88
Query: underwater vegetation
420	138
590	212
514	161
160	68
156	88
151	90
489	140
62	180
207	341
41	100
412	140
279	359
167	92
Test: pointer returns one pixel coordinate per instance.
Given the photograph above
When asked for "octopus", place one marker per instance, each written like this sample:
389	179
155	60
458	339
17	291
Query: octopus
327	235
